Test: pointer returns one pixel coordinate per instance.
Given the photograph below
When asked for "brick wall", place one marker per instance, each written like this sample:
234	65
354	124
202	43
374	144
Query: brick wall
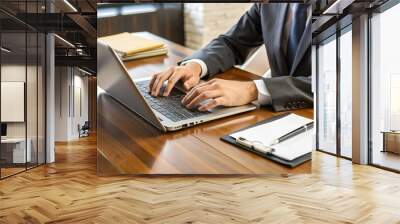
205	21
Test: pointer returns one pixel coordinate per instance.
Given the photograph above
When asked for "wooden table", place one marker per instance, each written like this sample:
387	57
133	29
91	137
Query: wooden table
126	144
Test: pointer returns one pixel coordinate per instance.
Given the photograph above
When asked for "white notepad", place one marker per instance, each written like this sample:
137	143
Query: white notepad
289	149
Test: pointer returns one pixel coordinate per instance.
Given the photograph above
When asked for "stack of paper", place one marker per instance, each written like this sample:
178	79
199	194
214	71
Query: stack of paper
290	149
130	46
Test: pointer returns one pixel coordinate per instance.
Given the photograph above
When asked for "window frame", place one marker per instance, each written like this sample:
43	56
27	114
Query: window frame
335	36
378	10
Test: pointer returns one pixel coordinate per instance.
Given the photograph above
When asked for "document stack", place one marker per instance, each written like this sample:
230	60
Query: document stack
131	46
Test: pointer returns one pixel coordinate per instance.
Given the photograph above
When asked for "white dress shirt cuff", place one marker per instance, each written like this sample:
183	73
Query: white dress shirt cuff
264	97
203	66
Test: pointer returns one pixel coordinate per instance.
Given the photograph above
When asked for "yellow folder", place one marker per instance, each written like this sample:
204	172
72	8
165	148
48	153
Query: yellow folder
127	44
146	54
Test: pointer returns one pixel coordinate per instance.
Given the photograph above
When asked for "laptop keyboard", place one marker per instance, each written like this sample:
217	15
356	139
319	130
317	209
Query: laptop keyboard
170	106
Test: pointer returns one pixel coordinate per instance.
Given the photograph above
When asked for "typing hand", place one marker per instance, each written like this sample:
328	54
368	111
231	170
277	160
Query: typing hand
220	92
189	74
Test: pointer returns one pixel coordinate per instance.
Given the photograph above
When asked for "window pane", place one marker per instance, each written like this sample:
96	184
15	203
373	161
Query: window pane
385	84
346	94
14	146
327	96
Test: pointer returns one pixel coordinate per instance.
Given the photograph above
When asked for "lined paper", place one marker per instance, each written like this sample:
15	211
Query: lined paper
289	149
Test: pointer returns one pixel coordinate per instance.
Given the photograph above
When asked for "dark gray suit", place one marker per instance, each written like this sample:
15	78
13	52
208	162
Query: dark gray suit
278	26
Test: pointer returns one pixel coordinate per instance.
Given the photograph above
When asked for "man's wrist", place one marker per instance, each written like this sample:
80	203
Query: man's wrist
252	90
195	67
264	96
202	64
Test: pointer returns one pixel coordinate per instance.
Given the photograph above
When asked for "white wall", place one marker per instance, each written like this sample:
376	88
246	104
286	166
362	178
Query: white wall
12	73
13	100
205	21
33	126
69	82
62	81
79	117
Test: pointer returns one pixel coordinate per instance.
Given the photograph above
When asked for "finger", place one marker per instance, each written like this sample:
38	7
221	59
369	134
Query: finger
195	92
153	87
173	79
190	93
160	81
212	104
204	96
191	82
152	81
202	84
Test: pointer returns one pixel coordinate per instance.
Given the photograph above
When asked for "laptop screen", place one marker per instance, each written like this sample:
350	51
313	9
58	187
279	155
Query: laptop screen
3	129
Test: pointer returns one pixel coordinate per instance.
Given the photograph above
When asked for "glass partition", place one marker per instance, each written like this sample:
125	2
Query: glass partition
14	145
31	99
32	87
22	77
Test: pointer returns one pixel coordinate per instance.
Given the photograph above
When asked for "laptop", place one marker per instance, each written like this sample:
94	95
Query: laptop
165	113
3	131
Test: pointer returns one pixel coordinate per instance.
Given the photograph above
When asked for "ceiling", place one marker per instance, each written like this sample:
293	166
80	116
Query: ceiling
72	20
329	16
75	21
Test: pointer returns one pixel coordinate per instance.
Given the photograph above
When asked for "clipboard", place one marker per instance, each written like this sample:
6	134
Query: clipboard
289	163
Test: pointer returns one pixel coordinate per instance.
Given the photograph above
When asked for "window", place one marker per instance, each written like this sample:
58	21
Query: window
385	89
326	104
334	101
346	74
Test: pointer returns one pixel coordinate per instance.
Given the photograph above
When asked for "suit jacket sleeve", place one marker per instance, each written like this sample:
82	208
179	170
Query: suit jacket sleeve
293	91
289	92
233	47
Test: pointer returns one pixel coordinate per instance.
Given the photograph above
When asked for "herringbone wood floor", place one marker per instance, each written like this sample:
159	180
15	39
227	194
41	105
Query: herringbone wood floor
70	192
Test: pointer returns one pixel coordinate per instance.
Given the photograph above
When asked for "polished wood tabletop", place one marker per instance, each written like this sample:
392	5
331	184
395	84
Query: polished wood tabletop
126	144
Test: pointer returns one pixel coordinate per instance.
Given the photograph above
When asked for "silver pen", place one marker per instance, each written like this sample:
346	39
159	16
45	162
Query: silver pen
293	133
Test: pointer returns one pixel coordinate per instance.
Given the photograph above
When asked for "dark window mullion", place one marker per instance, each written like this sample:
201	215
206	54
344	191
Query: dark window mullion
369	126
317	96
338	95
26	87
37	91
